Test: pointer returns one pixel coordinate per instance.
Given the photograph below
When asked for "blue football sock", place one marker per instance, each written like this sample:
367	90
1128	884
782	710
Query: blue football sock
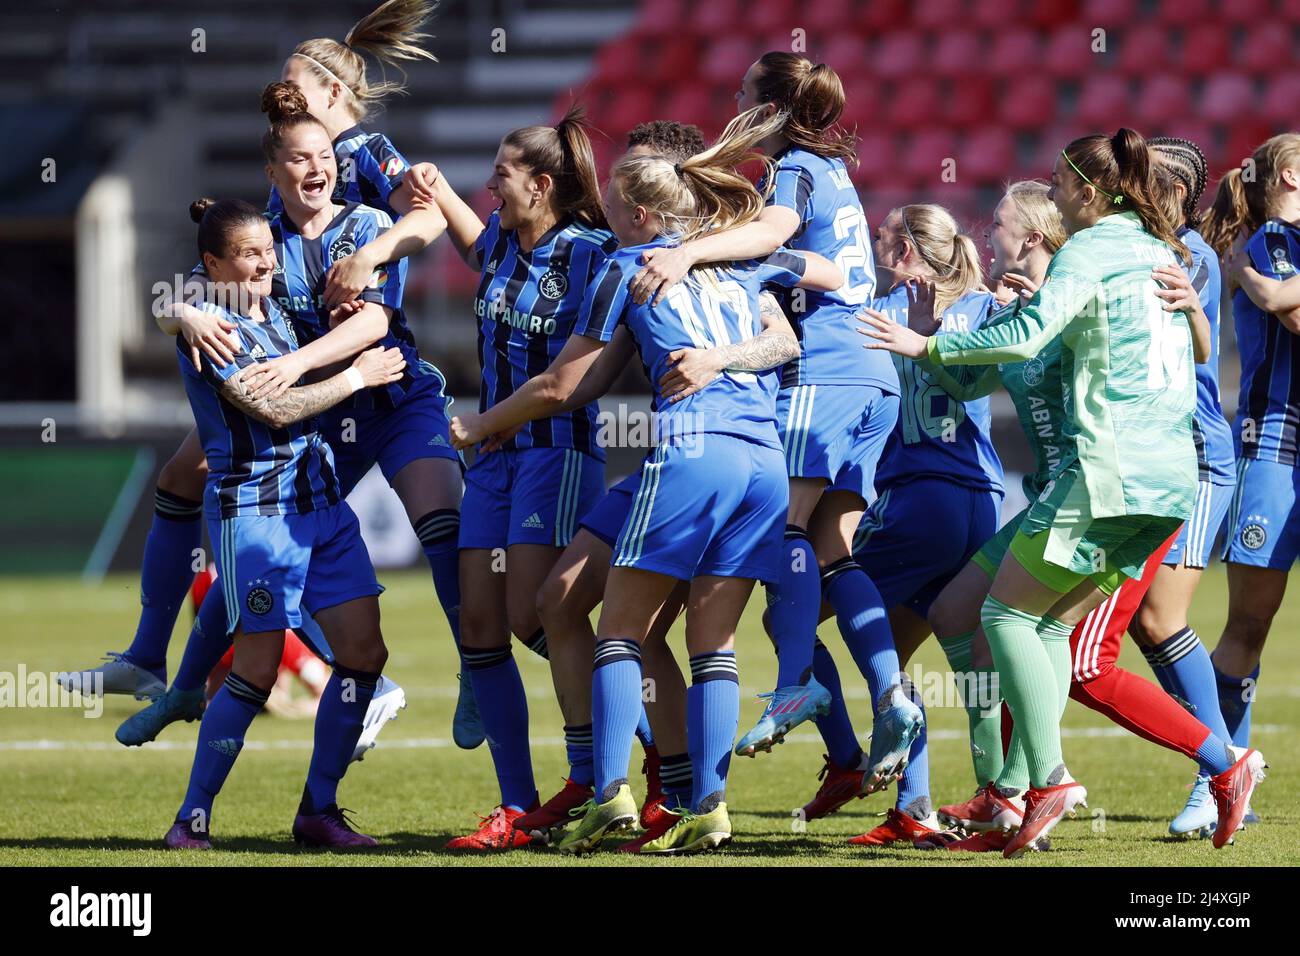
339	716
615	709
503	708
795	603
1236	694
864	624
675	775
207	643
836	728
165	577
712	713
439	532
643	732
221	737
577	742
1182	666
914	787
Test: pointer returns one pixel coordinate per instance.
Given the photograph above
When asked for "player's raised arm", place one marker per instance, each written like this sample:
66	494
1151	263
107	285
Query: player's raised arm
371	369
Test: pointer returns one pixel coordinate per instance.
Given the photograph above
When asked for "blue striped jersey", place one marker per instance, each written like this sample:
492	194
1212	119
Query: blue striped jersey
299	288
527	305
1268	409
938	436
369	170
715	307
254	469
831	223
1210	430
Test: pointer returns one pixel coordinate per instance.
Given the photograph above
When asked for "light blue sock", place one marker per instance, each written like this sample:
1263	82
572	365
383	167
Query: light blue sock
712	713
503	707
914	787
1182	666
864	624
578	748
615	709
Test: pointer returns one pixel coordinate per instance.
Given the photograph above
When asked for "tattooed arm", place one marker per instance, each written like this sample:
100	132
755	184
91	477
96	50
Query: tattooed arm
372	368
692	369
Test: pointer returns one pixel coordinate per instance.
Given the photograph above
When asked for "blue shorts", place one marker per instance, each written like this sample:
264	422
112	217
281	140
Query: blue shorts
394	437
836	432
1195	542
1263	528
528	496
916	536
270	567
607	516
715	506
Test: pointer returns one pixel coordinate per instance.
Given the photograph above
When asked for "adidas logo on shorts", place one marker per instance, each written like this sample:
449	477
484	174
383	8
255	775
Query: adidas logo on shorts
438	440
534	520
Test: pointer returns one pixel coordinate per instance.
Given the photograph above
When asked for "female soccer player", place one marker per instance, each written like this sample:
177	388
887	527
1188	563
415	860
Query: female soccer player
835	412
1262	537
940	494
288	539
332	78
402	427
1175	652
1131	396
536	255
711	497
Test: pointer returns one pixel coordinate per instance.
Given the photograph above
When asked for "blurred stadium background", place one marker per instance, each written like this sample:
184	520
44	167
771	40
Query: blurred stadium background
115	113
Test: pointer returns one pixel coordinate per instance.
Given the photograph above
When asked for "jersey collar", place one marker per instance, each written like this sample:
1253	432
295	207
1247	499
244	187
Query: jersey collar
349	133
546	237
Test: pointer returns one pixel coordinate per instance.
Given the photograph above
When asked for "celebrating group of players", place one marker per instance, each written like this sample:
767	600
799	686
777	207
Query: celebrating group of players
790	394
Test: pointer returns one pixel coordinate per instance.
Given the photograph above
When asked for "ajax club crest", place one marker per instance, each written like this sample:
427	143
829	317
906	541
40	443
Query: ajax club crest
553	285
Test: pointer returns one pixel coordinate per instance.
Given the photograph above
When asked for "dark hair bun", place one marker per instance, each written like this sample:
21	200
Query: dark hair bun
199	207
281	100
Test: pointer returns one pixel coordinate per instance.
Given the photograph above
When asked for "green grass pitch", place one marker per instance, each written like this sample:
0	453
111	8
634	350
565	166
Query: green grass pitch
73	796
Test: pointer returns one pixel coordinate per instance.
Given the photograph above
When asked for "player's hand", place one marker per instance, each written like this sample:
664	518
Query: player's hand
380	366
689	370
664	268
1020	285
466	430
348	277
497	442
273	378
1178	293
344	311
206	333
1003	294
422	177
921	307
1236	262
891	336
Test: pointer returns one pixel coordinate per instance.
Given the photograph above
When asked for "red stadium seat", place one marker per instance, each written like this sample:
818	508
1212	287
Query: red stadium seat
1227	98
848	54
1069	52
715	19
687	104
630	106
922	160
1164	98
898	54
1289	10
1245	12
1015	52
957	53
1028	103
1104	101
1205	49
938	14
829	18
970	102
1241	142
1187	12
619	60
1049	147
1109	13
915	102
1148	48
877	158
727	58
986	157
1051	13
1265	49
768	15
1281	100
996	15
878	16
661	17
861	104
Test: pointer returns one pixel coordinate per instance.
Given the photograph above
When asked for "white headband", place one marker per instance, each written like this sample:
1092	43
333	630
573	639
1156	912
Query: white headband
327	71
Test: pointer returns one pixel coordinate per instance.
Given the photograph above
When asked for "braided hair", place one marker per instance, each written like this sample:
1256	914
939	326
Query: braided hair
1188	165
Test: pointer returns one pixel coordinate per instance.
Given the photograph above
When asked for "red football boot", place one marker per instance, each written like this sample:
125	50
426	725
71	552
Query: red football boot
656	821
538	823
1044	808
1232	789
496	833
897	828
654	789
838	787
987	810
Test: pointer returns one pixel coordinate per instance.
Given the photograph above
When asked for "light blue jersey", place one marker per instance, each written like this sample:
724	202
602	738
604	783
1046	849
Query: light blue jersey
938	436
1210	429
832	224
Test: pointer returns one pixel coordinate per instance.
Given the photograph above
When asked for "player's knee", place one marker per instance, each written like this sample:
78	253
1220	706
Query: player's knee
182	478
1248	630
479	626
552	605
1150	625
261	671
947	618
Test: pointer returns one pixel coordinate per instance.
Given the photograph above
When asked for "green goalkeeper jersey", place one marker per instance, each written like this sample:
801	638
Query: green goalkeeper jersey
1036	390
1127	370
